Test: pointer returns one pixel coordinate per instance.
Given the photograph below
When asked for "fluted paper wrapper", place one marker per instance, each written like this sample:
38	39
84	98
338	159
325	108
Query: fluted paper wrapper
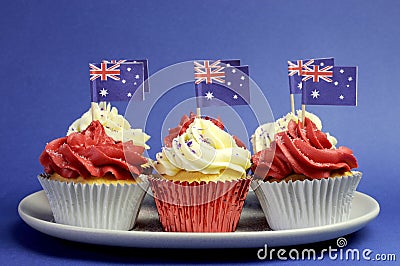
301	204
101	206
199	207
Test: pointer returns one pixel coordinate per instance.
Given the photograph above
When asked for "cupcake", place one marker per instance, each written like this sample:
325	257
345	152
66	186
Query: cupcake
201	181
300	178
92	180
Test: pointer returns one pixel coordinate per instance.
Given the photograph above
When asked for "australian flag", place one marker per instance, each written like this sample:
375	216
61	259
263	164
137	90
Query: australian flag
145	69
117	81
221	83
296	69
340	88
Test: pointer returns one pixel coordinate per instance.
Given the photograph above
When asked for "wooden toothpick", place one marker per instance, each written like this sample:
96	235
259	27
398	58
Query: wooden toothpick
292	102
303	113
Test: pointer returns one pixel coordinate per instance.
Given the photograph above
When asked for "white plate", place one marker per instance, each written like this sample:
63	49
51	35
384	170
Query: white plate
252	230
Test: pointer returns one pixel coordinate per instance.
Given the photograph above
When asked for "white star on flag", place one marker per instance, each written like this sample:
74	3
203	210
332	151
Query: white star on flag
209	95
300	85
129	69
336	83
242	77
137	77
233	70
341	71
315	94
123	81
235	96
341	97
103	92
129	94
349	78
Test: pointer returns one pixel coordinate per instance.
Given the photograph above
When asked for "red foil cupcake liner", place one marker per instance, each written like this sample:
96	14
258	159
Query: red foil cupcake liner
199	207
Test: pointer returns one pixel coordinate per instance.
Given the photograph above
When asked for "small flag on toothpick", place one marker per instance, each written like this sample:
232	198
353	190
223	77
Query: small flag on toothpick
224	80
296	70
338	88
118	81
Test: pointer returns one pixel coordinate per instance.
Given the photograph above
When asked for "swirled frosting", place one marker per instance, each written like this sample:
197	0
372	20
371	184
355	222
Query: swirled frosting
302	149
174	132
264	134
115	125
201	145
92	153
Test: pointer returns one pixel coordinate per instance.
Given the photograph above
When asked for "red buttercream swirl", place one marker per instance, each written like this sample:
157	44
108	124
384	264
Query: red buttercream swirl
184	124
91	153
302	150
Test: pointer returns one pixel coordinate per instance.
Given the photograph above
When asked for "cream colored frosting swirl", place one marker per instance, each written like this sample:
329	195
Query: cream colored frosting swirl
115	125
264	134
205	148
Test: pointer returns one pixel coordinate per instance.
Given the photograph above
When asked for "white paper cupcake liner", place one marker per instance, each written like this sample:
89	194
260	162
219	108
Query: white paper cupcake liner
100	206
301	204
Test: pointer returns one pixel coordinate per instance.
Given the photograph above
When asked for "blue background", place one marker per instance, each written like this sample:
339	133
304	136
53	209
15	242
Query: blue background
45	48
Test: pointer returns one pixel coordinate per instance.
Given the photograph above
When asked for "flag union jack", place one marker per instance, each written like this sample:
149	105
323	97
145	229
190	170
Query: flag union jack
315	73
296	67
208	72
103	72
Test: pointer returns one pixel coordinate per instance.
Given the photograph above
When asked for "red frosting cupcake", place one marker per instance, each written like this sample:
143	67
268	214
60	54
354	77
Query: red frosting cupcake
302	150
91	180
302	180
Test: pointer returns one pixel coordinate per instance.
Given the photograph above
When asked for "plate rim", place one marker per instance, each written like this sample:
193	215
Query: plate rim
143	239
